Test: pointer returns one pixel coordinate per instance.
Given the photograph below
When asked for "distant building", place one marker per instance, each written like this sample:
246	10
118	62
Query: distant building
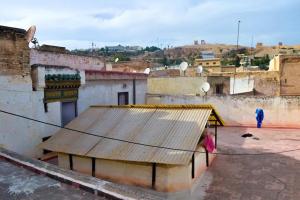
209	64
207	55
196	42
259	45
120	48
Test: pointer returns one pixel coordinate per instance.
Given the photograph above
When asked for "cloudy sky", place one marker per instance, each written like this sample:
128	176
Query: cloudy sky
78	23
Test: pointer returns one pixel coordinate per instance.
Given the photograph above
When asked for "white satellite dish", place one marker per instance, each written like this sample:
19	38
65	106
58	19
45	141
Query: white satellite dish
30	33
199	69
116	60
147	71
205	87
183	66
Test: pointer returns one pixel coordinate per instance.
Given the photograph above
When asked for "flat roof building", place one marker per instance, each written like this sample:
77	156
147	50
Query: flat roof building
155	146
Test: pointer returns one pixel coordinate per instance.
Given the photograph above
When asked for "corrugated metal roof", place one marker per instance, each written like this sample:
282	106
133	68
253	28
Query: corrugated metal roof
174	126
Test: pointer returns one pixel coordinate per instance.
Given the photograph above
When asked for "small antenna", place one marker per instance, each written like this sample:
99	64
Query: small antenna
93	45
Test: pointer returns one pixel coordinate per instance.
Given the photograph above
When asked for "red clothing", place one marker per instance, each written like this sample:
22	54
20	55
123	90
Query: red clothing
208	143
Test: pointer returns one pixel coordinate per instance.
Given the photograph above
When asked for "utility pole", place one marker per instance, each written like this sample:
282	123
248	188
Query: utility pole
238	36
237	48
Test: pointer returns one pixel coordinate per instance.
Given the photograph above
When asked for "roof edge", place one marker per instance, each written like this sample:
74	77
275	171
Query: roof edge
159	106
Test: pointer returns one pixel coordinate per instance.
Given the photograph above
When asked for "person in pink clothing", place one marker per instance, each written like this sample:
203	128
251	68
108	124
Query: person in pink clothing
208	142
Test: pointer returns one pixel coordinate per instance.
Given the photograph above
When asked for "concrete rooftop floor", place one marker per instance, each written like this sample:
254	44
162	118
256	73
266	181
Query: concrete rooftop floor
253	177
230	177
21	184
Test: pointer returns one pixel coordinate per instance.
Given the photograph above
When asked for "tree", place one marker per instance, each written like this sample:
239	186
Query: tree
237	61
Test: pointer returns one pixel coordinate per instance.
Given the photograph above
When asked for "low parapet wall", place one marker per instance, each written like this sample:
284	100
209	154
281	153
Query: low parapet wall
280	112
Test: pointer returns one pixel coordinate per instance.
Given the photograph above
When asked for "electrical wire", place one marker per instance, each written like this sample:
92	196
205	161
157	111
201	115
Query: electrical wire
144	144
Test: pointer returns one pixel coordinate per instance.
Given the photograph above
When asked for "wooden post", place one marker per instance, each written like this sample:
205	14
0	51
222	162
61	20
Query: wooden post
71	161
207	158
216	132
153	175
93	166
193	165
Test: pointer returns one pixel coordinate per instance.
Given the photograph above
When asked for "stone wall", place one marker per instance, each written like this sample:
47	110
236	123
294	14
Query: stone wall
14	52
240	110
289	75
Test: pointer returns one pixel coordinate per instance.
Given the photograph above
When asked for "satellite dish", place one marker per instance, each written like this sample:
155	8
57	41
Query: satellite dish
205	87
147	71
30	33
116	60
199	69
183	66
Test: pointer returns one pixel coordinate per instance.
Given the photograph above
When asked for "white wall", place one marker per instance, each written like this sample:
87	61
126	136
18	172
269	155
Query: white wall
240	110
16	96
105	92
19	134
241	84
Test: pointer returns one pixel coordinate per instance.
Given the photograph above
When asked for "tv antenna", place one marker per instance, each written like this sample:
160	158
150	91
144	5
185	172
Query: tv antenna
147	71
183	66
199	70
30	33
29	36
205	87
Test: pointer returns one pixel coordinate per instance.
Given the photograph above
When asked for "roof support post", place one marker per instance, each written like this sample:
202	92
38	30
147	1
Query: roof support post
207	158
153	175
93	166
71	161
193	165
216	132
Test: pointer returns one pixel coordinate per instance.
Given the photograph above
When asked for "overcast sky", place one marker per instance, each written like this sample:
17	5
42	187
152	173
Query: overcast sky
76	24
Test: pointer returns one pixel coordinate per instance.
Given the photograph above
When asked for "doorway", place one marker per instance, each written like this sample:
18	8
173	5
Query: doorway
123	98
68	112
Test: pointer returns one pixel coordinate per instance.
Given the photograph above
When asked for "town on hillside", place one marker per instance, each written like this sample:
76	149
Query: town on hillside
198	121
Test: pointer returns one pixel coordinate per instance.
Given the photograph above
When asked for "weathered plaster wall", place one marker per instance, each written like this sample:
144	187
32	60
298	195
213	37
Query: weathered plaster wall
267	83
240	110
241	84
290	73
66	59
218	80
105	92
176	85
169	178
19	134
16	96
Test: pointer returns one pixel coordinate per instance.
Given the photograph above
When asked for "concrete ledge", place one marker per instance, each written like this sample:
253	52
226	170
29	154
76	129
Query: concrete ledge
90	184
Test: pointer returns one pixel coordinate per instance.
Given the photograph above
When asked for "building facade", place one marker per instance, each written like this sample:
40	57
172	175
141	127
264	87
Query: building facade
53	92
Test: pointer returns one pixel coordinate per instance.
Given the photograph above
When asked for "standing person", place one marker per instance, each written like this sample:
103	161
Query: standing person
259	117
